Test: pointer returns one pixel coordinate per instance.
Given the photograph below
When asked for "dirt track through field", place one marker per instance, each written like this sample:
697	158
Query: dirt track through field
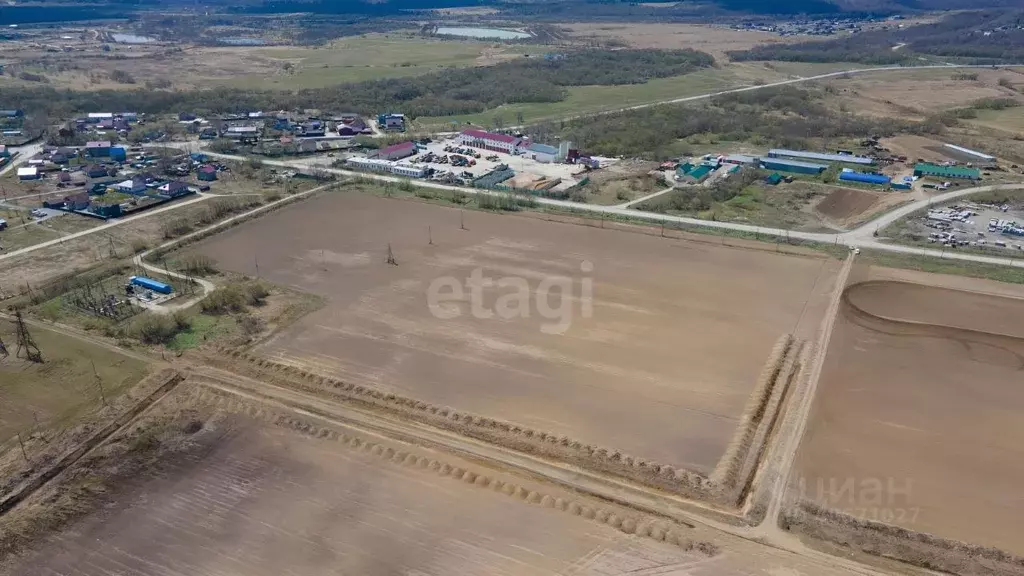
264	501
920	418
662	369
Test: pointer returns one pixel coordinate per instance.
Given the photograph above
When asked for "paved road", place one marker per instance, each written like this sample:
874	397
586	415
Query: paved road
862	237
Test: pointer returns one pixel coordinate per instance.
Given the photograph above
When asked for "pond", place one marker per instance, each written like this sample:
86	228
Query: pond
497	33
131	38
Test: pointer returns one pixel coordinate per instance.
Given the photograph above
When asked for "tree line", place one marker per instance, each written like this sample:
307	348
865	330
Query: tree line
450	92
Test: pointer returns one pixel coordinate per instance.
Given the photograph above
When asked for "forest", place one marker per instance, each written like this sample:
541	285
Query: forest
783	117
455	91
982	37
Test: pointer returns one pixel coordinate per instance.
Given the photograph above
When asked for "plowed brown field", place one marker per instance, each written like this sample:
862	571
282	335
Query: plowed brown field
266	502
662	369
918	421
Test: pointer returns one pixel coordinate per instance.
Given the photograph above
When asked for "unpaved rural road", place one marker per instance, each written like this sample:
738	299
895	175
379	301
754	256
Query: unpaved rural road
205	285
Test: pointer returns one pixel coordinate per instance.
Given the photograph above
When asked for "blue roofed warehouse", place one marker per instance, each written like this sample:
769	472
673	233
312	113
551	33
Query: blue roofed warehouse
864	178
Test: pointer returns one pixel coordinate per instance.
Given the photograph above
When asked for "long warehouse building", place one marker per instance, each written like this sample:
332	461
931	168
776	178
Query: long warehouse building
845	158
784	165
972	153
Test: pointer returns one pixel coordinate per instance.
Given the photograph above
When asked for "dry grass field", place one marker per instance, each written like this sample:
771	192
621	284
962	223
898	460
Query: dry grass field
662	368
350	59
64	386
918	414
916	93
711	39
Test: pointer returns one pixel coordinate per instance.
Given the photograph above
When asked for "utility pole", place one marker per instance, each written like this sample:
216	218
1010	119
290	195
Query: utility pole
22	444
99	383
391	256
430	236
256	260
462	219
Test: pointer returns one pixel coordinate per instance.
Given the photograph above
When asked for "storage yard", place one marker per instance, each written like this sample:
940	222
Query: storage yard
917	418
620	378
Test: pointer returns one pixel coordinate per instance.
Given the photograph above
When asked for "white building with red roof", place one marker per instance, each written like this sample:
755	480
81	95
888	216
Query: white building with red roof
493	142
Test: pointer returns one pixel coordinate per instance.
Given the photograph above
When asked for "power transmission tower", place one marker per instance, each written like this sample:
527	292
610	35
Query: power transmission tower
25	341
391	256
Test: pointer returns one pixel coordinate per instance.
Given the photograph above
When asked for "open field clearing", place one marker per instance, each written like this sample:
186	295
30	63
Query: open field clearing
371	57
63	386
660	363
261	500
1008	120
918	409
711	39
913	94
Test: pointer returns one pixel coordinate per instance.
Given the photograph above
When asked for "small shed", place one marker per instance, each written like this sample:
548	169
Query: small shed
117	153
774	179
207	173
28	173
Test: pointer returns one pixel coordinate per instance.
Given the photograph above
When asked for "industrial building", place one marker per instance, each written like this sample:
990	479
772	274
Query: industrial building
489	141
960	172
542	153
241	132
782	165
973	153
848	175
845	158
380	165
740	159
389	122
397	151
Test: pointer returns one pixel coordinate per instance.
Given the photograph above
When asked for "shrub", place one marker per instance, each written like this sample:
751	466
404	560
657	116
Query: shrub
122	77
197	264
154	328
182	321
257	294
139	246
251	325
225	300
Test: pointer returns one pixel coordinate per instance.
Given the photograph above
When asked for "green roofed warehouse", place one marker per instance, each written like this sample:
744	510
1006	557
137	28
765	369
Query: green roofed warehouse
925	169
